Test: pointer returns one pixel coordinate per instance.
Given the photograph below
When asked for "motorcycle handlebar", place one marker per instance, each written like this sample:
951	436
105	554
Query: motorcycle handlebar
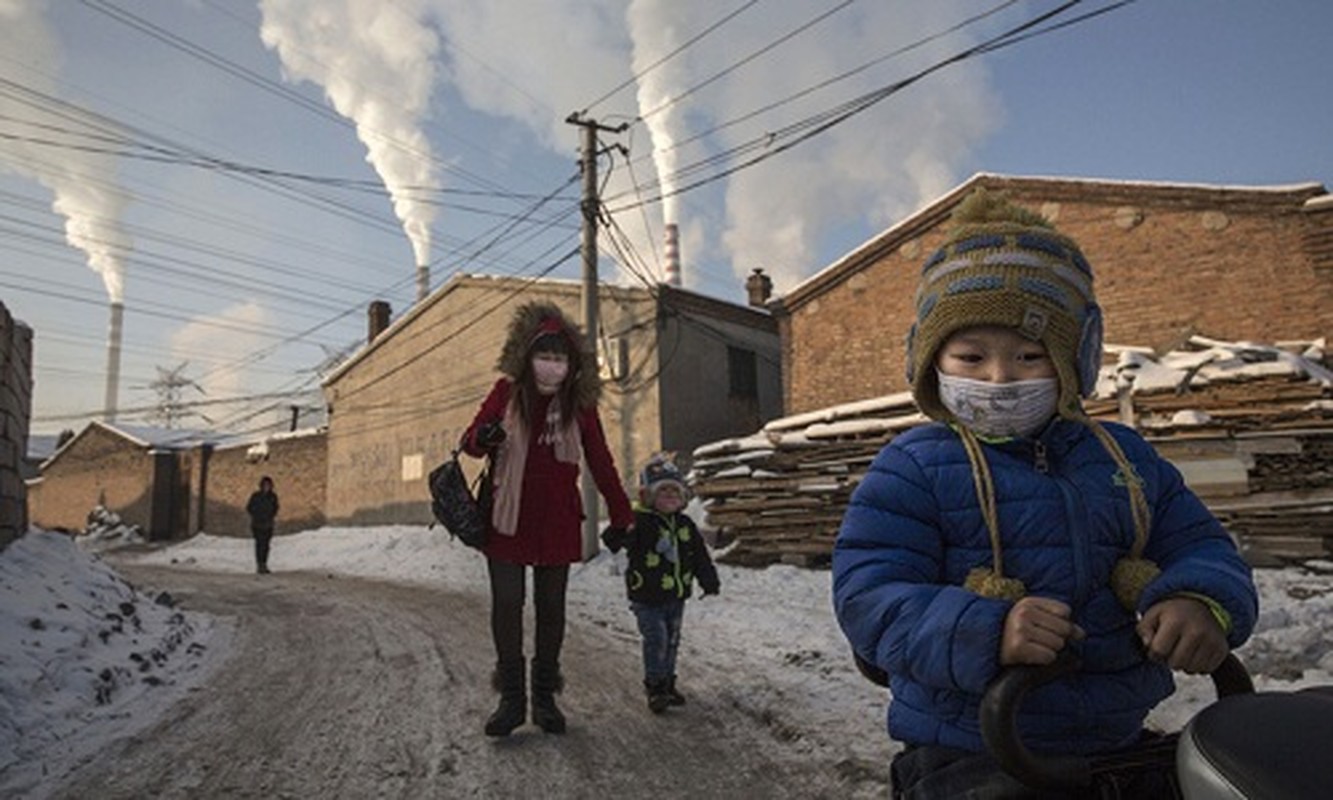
999	721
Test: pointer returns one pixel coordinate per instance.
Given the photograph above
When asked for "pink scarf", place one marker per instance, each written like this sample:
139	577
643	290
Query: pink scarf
512	459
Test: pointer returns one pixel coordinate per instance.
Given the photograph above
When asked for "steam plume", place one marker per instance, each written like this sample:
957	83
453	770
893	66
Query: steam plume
861	176
83	183
376	64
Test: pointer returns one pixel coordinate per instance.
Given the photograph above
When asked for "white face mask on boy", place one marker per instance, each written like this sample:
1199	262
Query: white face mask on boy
1018	408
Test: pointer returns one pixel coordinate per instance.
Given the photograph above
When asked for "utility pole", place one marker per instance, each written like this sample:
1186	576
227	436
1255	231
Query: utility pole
591	321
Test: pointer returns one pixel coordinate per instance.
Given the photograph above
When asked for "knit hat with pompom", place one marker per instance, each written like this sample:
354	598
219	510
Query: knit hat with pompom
1005	265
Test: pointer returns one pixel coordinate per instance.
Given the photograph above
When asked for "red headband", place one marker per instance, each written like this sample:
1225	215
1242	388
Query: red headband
551	325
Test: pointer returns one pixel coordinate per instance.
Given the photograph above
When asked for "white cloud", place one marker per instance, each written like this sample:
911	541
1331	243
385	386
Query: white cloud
225	337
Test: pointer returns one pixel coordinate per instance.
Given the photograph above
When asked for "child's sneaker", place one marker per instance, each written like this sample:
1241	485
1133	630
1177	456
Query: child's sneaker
658	697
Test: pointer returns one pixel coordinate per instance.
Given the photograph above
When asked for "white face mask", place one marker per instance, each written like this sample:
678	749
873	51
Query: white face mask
1019	408
549	373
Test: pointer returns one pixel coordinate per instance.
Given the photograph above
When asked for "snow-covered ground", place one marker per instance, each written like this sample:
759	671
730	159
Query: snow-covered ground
86	658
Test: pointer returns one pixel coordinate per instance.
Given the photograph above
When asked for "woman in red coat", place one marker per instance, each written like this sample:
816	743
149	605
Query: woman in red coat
537	421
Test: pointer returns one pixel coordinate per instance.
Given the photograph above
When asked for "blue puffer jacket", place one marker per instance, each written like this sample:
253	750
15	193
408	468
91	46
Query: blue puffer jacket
914	529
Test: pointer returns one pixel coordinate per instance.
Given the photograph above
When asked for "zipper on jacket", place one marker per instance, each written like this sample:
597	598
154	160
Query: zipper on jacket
1039	457
1075	515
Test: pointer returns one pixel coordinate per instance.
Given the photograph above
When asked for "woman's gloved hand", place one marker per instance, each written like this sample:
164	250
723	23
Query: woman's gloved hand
491	435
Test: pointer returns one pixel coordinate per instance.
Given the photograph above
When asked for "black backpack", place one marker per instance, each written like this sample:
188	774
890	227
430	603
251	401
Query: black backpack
464	512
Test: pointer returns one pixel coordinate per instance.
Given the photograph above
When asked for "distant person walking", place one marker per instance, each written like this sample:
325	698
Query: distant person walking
263	510
539	420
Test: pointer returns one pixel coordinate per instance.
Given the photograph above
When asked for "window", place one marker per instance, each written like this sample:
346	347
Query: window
743	374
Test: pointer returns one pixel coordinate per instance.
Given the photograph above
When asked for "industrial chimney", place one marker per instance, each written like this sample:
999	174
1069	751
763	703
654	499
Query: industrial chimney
671	254
759	287
423	282
379	319
113	363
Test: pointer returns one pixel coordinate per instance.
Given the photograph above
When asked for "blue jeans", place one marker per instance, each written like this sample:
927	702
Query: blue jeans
660	627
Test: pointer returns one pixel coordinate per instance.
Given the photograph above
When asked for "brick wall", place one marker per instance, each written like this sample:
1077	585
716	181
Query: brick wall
97	468
298	466
1169	261
15	408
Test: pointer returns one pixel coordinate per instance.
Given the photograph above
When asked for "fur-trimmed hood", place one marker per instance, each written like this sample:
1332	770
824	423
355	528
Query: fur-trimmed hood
524	327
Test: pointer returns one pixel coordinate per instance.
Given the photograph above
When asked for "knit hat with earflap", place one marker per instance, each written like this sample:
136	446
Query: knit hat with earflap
1007	266
660	471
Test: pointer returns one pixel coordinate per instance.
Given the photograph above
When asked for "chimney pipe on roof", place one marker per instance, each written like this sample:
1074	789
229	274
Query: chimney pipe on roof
379	319
671	254
759	287
423	281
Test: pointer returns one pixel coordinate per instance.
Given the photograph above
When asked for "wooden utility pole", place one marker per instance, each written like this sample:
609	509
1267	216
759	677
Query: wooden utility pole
591	320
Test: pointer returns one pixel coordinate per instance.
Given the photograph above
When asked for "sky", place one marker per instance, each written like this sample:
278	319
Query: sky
245	177
56	637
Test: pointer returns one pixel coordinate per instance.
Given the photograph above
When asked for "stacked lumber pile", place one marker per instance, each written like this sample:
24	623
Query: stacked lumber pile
1250	427
780	494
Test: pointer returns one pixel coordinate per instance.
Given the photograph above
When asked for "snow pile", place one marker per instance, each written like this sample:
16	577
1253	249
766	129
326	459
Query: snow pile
83	655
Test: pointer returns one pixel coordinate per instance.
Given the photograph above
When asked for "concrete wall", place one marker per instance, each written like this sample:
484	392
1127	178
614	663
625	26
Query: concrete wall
401	408
1169	261
298	465
15	413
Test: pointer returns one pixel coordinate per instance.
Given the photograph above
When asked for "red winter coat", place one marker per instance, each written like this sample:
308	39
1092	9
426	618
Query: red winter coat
550	515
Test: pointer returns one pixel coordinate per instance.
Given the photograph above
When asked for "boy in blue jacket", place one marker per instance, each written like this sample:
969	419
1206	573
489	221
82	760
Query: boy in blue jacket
666	555
1014	527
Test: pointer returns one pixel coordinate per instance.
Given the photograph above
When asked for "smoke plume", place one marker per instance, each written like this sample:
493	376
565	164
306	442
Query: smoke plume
376	63
779	215
84	184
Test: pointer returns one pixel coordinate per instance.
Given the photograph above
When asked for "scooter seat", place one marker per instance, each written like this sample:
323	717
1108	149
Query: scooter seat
1264	745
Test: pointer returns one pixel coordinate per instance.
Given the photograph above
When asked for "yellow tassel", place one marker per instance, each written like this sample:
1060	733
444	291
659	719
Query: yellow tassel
1130	577
986	583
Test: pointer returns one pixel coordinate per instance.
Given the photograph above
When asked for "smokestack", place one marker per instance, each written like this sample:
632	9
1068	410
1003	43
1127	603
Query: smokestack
379	319
671	254
760	287
113	363
423	282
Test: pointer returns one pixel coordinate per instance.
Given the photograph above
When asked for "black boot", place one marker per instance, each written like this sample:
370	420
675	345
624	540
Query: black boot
546	683
658	699
511	683
677	699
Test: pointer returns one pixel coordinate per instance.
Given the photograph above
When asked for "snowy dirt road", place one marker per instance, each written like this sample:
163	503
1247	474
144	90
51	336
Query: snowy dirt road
346	688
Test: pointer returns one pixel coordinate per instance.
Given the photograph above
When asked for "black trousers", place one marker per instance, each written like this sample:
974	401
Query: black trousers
263	538
508	596
943	773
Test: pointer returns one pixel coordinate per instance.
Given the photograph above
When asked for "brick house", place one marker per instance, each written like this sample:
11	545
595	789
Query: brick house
140	473
1235	263
678	369
174	483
